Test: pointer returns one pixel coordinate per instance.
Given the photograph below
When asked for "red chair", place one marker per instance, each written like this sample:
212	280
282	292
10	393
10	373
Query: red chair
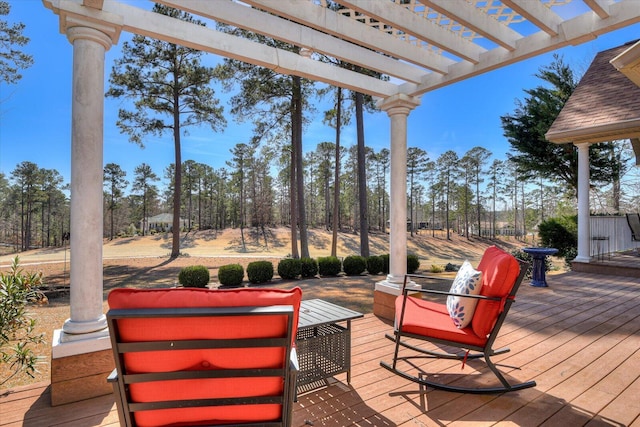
201	357
431	321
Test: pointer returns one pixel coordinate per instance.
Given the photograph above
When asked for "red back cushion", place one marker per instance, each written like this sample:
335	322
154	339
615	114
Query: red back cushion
204	359
499	273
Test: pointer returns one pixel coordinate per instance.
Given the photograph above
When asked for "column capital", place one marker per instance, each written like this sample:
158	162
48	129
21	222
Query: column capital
399	104
75	15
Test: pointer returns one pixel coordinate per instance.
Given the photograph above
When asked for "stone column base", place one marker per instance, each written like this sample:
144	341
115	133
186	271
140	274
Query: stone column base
77	375
384	298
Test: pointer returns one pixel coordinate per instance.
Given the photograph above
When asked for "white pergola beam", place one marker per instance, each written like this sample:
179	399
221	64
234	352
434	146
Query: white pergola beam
162	27
468	15
600	7
536	13
95	4
571	32
245	17
400	18
330	22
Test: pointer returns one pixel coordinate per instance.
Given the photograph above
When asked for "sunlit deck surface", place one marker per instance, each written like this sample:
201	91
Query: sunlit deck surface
579	339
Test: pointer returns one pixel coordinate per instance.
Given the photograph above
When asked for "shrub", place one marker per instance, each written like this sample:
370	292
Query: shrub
17	333
569	256
436	268
230	275
451	267
385	263
259	271
560	233
309	267
413	263
329	266
289	268
375	264
194	276
354	265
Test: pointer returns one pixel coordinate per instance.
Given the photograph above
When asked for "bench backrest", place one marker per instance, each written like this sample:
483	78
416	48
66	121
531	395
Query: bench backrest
197	356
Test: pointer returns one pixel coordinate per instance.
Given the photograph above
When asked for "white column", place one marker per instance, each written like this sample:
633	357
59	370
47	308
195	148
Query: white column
583	204
398	108
89	47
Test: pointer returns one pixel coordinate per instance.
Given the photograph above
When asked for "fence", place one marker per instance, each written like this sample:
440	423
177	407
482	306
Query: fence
609	234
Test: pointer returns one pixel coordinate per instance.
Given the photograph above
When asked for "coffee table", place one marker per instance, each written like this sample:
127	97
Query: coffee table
323	344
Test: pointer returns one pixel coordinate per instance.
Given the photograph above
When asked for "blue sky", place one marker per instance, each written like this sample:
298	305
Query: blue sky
35	114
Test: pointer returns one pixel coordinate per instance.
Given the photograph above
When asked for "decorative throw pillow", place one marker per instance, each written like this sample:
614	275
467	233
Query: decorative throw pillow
467	282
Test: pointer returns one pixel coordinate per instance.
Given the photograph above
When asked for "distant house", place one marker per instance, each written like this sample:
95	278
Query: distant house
161	223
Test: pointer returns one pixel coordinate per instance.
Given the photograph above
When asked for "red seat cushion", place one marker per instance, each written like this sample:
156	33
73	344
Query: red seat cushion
204	359
432	319
499	273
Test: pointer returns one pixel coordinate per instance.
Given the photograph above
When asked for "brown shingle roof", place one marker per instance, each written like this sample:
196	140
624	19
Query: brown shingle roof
605	105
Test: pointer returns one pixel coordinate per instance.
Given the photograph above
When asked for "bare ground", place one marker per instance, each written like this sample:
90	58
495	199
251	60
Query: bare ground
144	262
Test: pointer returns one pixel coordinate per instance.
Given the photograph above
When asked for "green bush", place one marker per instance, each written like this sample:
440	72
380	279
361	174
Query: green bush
289	268
385	263
17	329
374	265
194	276
451	267
231	275
354	265
435	268
560	233
413	263
260	271
329	266
309	267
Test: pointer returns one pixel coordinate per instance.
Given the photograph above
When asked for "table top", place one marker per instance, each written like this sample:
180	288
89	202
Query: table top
316	312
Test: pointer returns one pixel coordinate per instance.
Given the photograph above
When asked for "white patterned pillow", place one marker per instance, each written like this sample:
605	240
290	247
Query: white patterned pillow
468	282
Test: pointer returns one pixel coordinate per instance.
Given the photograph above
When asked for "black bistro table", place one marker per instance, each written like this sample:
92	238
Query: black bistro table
538	268
323	342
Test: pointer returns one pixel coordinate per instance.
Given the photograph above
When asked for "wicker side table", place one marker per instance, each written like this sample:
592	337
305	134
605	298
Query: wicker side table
323	345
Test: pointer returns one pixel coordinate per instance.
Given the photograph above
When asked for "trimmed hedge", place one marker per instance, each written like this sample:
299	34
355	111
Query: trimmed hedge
309	267
413	263
194	276
374	265
354	265
231	275
289	268
385	263
259	271
329	266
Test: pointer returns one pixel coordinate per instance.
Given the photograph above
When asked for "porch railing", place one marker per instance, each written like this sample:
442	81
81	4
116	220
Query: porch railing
609	234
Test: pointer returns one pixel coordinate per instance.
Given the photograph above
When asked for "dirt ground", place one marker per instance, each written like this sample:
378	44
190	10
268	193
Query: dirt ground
144	262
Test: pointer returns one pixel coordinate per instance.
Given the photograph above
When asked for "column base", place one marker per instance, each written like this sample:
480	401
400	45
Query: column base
384	298
80	366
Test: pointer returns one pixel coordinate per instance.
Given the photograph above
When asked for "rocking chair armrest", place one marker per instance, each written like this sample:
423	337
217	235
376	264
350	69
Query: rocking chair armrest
428	277
434	292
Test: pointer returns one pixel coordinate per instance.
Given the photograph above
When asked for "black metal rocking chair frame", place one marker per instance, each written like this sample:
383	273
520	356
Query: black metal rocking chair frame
486	351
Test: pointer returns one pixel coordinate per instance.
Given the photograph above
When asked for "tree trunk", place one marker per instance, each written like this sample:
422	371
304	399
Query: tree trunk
362	179
177	186
302	217
336	181
292	188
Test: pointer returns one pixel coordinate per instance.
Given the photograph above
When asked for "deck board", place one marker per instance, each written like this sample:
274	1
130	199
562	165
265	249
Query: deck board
579	340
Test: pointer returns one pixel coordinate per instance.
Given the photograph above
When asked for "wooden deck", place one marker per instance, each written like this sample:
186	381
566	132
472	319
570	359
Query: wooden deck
579	339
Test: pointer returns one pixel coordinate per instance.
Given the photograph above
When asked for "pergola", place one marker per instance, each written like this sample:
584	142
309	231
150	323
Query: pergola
421	44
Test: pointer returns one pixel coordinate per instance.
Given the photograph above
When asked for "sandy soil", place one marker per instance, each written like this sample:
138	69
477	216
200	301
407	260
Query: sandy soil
145	262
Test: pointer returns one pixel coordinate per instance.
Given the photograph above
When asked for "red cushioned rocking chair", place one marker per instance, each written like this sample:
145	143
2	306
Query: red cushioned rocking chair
431	321
190	356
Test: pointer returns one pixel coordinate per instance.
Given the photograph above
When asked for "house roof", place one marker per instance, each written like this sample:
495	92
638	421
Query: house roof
605	106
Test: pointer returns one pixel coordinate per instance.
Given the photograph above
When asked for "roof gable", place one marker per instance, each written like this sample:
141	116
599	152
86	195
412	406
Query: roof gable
605	105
